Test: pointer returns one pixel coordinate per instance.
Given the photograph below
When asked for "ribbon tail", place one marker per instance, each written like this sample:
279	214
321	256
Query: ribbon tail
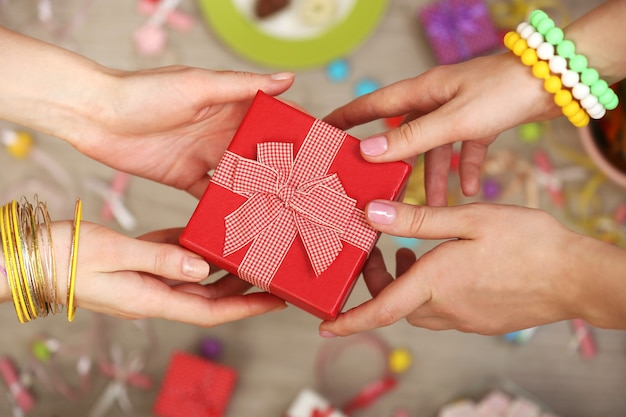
322	244
268	250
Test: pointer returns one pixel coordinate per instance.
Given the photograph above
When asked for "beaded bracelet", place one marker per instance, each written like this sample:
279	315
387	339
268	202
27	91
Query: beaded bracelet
577	63
578	90
558	65
552	83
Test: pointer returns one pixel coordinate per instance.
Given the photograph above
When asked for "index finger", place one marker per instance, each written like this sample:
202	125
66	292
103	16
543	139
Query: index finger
390	101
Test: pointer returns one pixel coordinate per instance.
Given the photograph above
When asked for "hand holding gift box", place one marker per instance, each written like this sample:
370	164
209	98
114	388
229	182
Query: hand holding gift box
284	210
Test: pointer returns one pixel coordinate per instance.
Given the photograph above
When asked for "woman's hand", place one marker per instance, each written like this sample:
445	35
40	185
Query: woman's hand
501	268
170	125
470	102
151	277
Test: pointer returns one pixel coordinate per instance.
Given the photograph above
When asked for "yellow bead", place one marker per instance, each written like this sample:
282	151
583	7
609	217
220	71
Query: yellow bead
399	360
552	84
578	116
541	70
510	39
520	46
571	108
562	98
582	123
529	57
19	144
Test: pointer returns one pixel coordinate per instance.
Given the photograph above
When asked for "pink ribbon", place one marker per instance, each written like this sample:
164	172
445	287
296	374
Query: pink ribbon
289	197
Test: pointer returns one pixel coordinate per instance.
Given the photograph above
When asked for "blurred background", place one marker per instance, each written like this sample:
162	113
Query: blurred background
339	50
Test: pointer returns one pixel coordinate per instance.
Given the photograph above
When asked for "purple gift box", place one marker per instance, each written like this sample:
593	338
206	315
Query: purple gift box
458	30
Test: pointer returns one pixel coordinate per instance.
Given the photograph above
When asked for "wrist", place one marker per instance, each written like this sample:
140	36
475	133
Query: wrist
596	36
538	104
47	88
595	270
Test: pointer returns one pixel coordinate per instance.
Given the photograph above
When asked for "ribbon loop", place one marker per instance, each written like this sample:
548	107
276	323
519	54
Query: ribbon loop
290	196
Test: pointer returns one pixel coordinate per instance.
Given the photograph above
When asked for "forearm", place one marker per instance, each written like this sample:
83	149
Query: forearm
598	272
46	88
598	36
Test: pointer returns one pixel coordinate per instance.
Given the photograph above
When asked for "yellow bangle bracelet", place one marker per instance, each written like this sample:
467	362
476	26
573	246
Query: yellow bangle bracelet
6	242
71	282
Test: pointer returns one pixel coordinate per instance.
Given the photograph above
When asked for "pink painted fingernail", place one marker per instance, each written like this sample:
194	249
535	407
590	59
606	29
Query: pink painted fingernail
280	76
374	146
381	213
196	268
326	334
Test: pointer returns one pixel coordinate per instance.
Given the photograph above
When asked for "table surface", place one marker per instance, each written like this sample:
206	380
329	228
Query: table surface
276	355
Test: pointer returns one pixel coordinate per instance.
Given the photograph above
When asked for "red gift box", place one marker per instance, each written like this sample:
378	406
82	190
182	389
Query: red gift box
194	386
284	209
458	30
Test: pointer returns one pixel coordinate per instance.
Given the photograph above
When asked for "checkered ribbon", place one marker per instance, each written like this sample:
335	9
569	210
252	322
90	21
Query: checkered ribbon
289	197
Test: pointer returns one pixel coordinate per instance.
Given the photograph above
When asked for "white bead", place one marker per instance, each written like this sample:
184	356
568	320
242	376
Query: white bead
557	64
597	111
580	91
589	101
545	51
520	28
527	32
535	39
569	78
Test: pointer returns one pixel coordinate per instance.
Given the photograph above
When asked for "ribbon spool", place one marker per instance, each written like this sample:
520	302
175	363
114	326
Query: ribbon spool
357	370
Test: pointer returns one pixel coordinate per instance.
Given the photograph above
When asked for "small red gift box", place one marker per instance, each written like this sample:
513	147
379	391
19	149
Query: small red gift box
284	209
194	386
458	30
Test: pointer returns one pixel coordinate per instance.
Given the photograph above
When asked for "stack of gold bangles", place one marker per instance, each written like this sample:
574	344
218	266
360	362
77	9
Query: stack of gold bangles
578	89
30	264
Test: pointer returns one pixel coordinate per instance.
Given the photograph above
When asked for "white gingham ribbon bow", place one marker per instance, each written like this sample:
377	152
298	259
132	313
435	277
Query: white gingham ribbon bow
288	198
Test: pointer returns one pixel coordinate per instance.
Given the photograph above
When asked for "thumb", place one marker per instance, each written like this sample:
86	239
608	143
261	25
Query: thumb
395	302
227	86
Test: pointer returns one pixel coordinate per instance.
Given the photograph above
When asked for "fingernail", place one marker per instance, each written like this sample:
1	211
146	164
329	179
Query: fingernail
280	76
196	268
326	334
374	146
381	213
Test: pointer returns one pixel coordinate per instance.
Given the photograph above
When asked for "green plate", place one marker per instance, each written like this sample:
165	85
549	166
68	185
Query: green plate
245	38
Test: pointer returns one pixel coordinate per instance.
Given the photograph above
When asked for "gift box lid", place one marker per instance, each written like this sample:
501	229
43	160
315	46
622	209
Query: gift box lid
272	138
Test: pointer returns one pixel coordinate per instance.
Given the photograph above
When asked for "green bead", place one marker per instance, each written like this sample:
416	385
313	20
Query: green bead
537	16
545	25
599	87
554	36
578	63
607	97
566	48
613	104
589	76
